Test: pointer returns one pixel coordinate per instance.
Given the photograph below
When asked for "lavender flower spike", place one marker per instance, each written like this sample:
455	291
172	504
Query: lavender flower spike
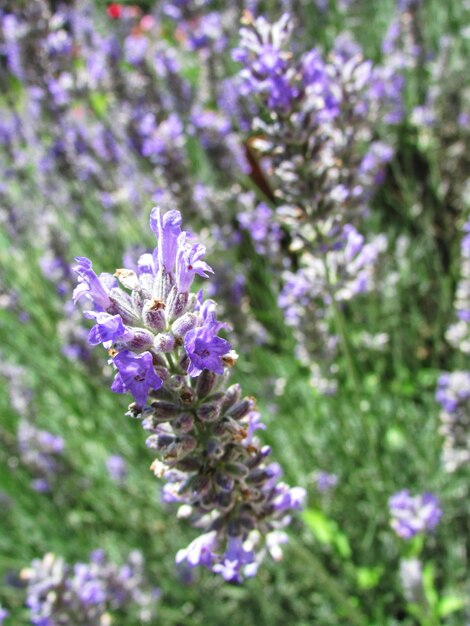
414	514
202	429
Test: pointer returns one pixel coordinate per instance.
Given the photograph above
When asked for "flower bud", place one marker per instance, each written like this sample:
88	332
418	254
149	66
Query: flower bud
241	408
232	395
122	305
183	423
239	470
141	340
208	412
165	410
205	383
176	303
183	324
153	314
164	342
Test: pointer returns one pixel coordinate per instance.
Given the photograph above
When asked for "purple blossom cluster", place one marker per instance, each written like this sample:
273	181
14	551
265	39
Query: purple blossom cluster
412	515
453	394
42	453
117	468
264	230
458	333
86	594
314	124
164	343
340	274
442	119
325	481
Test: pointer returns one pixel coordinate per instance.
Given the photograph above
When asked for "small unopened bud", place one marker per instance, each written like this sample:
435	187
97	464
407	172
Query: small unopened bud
205	383
153	314
236	469
240	409
208	412
232	395
160	442
224	481
122	304
214	449
187	395
176	303
184	363
141	340
165	410
188	444
183	423
183	324
164	342
188	464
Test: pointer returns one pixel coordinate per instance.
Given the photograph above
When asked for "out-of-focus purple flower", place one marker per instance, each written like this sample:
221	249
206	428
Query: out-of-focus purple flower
41	452
265	231
86	592
136	375
325	482
135	47
414	514
117	468
3	615
453	393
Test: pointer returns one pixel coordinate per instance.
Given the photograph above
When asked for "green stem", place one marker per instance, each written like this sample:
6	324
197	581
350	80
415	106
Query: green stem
341	330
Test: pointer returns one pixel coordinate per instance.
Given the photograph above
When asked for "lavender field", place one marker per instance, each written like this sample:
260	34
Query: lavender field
235	313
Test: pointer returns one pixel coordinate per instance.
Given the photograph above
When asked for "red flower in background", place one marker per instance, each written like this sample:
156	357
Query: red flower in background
114	11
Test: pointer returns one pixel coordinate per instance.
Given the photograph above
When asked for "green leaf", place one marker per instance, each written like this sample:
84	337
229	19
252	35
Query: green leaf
369	577
99	103
450	604
430	592
327	532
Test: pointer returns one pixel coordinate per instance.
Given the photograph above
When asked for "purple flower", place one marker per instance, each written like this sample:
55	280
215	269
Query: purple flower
135	47
3	615
325	482
108	328
136	375
235	557
167	229
200	551
414	514
205	349
117	468
89	284
189	263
